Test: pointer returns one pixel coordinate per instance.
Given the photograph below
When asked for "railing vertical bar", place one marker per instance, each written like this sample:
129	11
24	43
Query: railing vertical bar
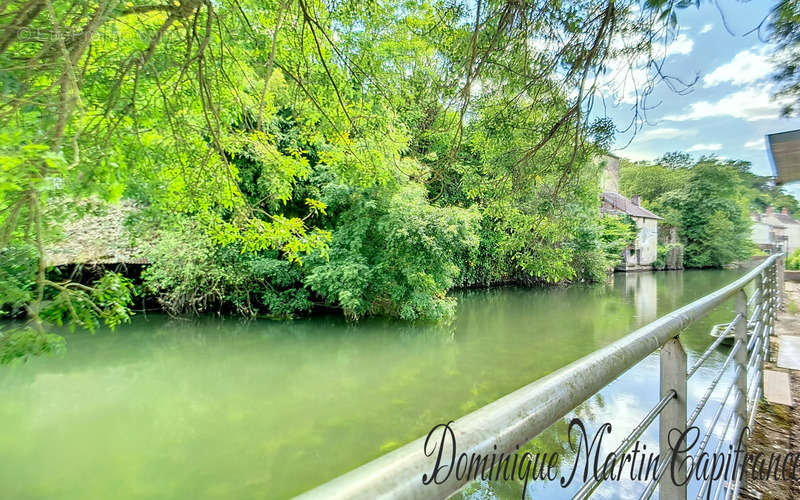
673	416
591	484
779	281
741	355
701	404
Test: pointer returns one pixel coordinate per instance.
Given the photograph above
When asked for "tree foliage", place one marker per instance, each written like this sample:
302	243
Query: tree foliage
785	32
793	261
360	155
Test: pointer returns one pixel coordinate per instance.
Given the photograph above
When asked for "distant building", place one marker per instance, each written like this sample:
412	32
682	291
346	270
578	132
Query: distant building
773	230
609	176
765	235
644	251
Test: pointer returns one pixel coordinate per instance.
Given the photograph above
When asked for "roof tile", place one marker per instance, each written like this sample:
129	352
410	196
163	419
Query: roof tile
617	202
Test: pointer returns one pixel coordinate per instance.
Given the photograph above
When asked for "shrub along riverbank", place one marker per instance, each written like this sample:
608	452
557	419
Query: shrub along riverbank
390	251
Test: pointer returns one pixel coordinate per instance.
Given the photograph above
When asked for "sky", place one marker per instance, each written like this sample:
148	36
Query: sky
729	109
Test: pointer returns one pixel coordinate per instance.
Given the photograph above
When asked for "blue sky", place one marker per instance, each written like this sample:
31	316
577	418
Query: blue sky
729	109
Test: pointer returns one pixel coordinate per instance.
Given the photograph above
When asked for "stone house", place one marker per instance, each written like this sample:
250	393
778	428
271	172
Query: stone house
643	253
784	227
765	235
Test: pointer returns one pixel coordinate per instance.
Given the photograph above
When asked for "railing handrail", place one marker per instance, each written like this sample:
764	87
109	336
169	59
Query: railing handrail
520	416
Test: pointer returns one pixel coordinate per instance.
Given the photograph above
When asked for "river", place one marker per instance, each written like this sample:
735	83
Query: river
222	408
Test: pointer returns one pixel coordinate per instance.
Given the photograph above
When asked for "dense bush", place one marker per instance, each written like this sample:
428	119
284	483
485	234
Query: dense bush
793	261
394	254
484	266
190	273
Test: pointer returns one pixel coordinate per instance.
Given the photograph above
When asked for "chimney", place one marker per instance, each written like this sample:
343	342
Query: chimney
785	211
610	178
636	199
768	211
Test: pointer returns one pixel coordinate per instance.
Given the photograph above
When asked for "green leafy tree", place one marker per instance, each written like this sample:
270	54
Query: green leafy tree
708	202
395	255
784	28
365	152
793	261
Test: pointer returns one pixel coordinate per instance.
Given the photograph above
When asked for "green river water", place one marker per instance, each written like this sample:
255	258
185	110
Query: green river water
213	408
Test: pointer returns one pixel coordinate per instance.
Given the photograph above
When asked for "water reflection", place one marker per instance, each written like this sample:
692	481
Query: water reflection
642	288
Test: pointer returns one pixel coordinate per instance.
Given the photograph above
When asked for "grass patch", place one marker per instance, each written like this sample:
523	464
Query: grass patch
779	413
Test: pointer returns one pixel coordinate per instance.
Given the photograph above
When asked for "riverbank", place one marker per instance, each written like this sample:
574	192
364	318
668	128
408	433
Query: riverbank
777	426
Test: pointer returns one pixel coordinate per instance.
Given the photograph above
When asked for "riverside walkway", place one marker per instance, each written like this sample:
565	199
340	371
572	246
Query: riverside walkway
777	426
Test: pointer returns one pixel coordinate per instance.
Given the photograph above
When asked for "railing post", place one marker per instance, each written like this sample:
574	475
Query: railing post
673	378
740	333
774	303
772	314
773	291
762	288
777	283
779	262
764	282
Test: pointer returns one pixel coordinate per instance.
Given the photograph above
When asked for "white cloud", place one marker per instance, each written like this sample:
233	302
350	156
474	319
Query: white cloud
682	45
663	133
746	67
706	28
704	147
755	144
749	104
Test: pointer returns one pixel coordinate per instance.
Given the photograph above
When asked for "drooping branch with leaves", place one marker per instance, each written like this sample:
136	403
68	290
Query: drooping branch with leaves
291	136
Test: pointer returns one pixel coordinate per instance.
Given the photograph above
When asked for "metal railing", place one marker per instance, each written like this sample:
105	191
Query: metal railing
523	414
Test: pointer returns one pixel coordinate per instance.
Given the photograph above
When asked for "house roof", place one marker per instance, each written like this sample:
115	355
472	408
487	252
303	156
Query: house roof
783	150
617	203
774	226
97	238
786	219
